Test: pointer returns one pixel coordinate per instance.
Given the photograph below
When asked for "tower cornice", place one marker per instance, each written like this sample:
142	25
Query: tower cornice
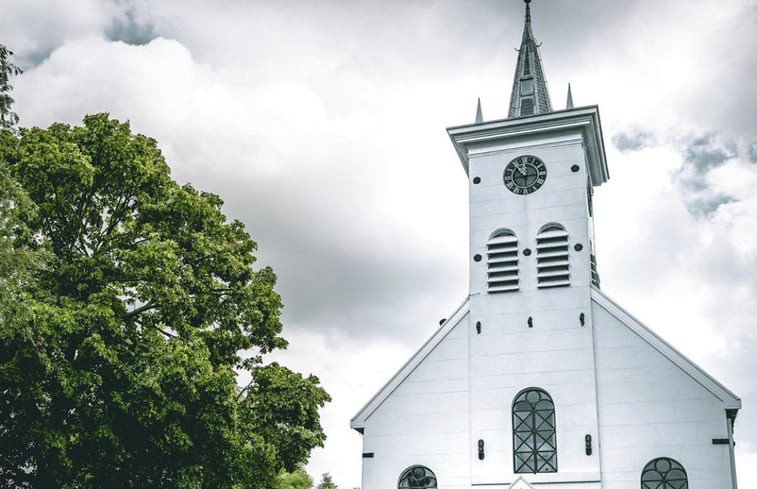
473	138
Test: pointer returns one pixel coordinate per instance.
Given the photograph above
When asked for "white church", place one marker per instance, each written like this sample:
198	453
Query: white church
539	380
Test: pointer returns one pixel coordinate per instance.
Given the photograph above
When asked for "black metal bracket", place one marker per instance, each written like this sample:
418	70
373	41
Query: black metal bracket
587	439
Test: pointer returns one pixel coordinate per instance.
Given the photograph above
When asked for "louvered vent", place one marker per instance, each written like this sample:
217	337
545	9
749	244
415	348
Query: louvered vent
594	273
527	106
502	262
553	269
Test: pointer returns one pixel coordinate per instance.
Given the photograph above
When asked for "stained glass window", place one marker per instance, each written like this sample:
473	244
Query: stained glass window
664	473
417	477
534	435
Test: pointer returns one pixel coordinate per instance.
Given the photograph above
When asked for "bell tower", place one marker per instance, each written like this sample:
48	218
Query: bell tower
531	179
532	268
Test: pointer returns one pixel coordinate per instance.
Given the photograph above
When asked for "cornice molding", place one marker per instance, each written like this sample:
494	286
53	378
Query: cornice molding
474	139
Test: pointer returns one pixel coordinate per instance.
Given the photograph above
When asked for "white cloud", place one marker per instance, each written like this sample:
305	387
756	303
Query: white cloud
322	127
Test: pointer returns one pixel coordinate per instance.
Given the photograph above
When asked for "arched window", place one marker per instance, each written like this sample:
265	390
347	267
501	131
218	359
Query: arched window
664	473
552	257
502	262
417	477
534	435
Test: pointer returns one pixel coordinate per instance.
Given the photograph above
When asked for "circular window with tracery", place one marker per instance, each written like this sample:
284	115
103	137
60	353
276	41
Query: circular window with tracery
664	473
417	477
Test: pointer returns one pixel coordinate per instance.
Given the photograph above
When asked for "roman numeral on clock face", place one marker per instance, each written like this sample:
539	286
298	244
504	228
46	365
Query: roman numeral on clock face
525	174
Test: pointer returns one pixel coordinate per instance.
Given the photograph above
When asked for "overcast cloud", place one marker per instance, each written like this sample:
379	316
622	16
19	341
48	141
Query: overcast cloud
321	125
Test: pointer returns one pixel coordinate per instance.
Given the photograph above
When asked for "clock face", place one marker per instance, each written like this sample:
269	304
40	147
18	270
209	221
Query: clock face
525	174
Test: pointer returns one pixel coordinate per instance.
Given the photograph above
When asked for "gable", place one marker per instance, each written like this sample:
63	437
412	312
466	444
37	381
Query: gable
520	483
459	316
728	398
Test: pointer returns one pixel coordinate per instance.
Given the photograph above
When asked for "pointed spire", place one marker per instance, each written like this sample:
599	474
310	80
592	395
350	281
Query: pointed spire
569	102
529	95
479	113
527	32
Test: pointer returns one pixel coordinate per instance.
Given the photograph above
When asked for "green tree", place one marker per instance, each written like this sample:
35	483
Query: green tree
142	306
20	258
297	479
8	118
326	482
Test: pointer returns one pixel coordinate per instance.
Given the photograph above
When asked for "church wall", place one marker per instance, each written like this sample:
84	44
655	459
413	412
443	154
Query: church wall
425	421
649	408
556	355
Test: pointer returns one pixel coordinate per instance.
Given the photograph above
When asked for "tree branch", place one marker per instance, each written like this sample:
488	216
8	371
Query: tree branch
246	388
169	335
141	309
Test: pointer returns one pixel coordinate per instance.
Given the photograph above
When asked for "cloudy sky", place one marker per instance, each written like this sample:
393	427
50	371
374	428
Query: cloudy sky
322	126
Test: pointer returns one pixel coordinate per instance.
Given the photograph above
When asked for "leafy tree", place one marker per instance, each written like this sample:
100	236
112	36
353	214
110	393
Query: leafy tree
326	482
139	299
8	118
298	479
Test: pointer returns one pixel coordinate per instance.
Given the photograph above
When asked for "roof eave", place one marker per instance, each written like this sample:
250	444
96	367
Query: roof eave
358	421
730	400
586	119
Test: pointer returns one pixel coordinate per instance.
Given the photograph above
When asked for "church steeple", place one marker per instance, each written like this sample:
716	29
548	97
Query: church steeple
530	95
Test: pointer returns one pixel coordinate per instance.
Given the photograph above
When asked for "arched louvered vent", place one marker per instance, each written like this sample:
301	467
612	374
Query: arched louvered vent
502	262
552	263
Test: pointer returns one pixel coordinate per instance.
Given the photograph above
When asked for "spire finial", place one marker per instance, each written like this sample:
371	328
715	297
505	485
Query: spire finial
569	102
479	113
529	95
528	11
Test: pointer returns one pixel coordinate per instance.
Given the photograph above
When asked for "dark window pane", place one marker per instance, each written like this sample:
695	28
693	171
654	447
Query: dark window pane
534	437
417	477
664	473
527	106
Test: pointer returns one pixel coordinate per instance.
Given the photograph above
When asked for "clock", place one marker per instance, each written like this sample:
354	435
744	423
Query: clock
525	174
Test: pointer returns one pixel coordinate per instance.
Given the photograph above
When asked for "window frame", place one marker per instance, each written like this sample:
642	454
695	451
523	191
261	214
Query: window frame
550	459
652	467
406	473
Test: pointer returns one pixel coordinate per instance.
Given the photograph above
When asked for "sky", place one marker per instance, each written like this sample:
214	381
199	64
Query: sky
322	127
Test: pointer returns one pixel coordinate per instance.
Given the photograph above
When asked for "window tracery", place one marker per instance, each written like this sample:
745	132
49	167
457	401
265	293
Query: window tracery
534	432
664	473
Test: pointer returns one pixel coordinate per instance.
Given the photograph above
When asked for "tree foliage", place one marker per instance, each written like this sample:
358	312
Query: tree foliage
140	300
297	479
8	118
326	482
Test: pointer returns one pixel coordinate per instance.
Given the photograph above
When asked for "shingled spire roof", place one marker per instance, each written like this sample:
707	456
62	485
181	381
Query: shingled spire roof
530	95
